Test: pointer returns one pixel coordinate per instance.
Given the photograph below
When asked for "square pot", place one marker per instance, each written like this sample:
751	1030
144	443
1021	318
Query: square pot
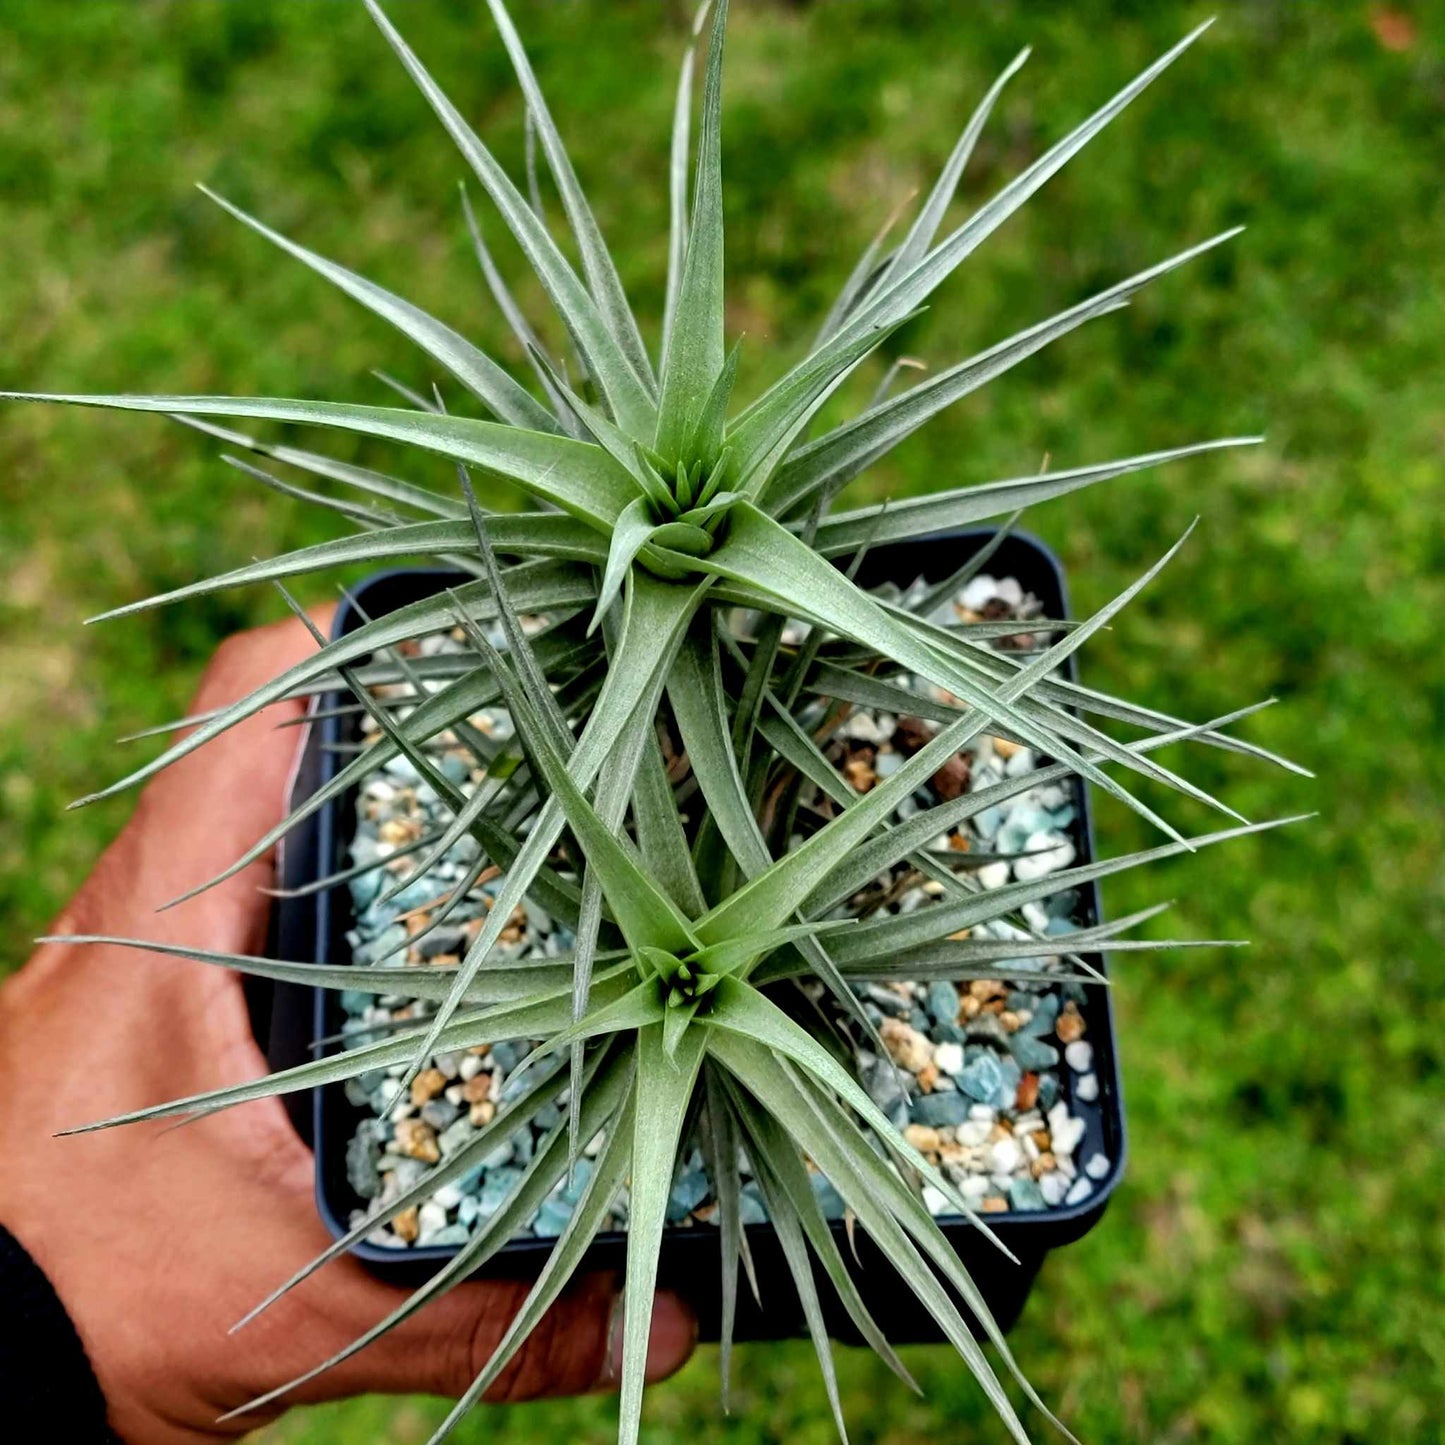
290	1018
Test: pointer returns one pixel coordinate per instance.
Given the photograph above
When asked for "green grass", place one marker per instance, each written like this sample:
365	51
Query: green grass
1271	1268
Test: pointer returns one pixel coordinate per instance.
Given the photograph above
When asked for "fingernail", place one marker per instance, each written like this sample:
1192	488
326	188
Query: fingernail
670	1340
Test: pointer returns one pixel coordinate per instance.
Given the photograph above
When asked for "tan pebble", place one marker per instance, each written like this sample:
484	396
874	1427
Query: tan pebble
427	1085
482	1112
969	1007
418	1140
923	1138
1009	1020
995	1204
443	960
993	1006
1005	749
1044	1164
953	1154
1001	1131
984	989
1042	1138
477	1088
480	1050
928	1077
957	843
705	1212
1028	1093
405	1225
908	1047
399	830
1071	1024
860	774
960	935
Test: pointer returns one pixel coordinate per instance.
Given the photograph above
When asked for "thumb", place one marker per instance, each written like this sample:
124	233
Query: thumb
575	1349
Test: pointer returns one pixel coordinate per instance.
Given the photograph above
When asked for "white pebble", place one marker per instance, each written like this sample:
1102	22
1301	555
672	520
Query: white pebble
935	1200
949	1058
1079	1056
1079	1190
1005	1156
979	592
973	1133
1053	1187
470	1066
995	875
1020	763
1097	1166
1086	1088
431	1217
982	1111
1066	1137
1057	852
448	1196
865	728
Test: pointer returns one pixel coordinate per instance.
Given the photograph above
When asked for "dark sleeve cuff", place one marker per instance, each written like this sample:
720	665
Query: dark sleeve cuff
45	1377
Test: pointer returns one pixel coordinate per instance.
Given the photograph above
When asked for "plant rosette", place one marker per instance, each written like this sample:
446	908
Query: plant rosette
703	906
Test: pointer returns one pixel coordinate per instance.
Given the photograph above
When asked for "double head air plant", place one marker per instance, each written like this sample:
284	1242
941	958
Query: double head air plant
701	905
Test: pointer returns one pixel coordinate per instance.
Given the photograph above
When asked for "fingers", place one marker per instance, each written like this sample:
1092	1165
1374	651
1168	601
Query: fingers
575	1349
197	817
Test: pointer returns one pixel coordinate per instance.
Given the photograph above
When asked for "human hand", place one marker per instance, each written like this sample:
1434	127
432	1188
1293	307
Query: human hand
159	1239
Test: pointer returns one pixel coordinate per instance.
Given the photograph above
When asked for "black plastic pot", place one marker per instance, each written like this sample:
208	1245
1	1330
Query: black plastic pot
313	928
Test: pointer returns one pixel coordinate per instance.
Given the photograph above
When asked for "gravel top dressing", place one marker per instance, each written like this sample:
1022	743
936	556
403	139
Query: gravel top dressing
982	1073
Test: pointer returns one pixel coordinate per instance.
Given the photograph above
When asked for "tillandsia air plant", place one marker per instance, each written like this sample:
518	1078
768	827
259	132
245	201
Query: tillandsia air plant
679	578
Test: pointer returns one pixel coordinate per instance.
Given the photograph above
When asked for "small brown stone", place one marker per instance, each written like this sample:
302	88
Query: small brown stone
1009	1020
1071	1024
911	734
995	1204
482	1112
427	1085
969	1007
417	1140
1042	1139
406	1225
958	843
1028	1093
1044	1164
923	1138
951	780
860	775
928	1077
477	1088
1001	1131
984	989
994	1006
1005	749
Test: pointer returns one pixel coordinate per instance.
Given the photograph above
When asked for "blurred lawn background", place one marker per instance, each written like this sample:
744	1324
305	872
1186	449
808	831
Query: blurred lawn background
1271	1268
